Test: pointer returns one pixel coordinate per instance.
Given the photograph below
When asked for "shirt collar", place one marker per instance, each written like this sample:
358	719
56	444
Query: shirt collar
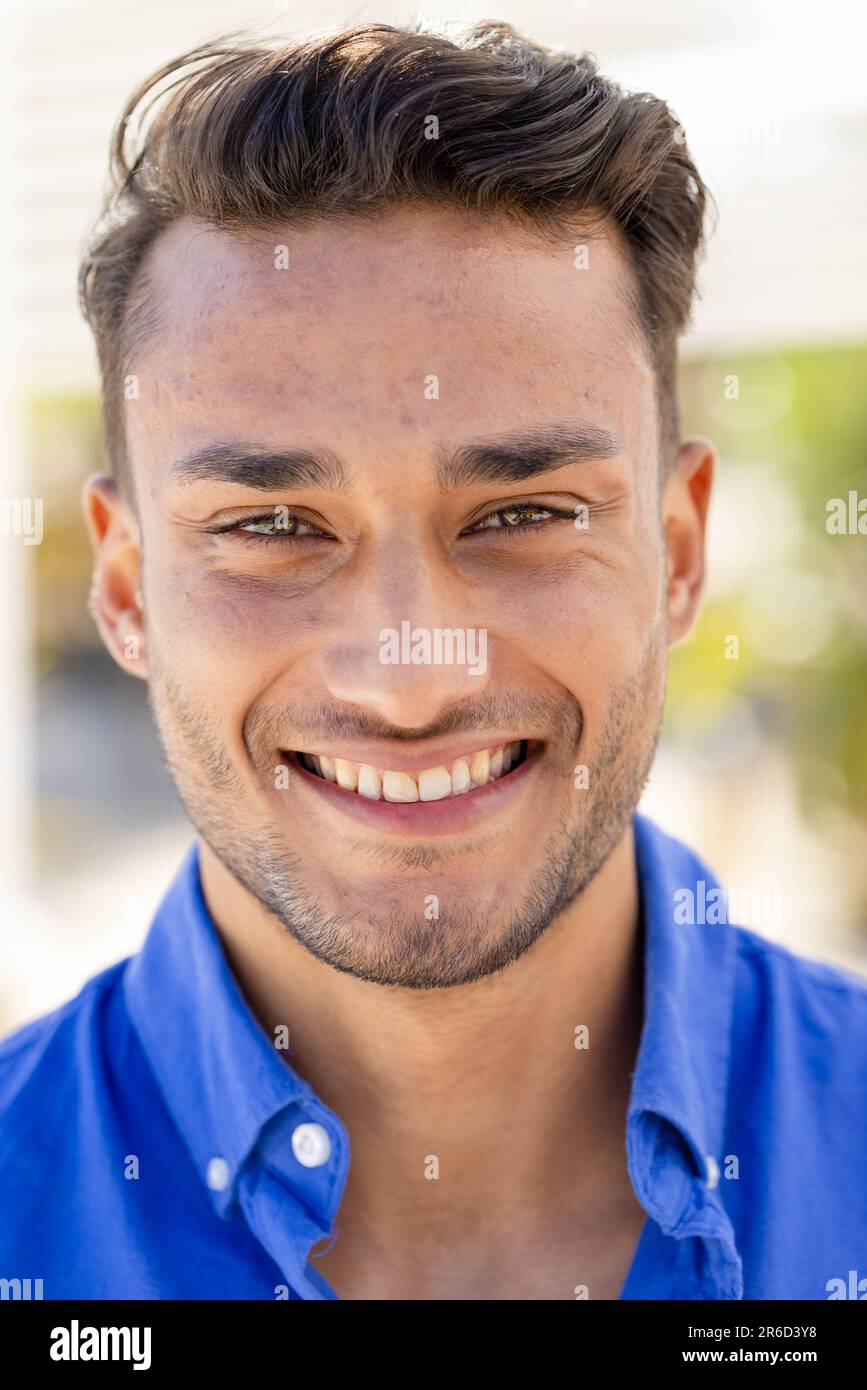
676	1117
220	1074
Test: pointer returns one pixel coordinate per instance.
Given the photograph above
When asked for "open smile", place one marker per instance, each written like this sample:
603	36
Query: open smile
462	775
447	797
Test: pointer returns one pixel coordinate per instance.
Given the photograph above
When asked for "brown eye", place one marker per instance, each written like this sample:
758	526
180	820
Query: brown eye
273	526
522	515
277	525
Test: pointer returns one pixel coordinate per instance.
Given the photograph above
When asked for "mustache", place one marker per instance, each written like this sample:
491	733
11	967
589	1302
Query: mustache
543	717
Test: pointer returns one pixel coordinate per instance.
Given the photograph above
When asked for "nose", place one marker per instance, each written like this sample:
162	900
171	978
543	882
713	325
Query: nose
409	649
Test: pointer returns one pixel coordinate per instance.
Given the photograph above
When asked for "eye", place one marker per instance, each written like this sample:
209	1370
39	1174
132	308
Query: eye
279	524
519	516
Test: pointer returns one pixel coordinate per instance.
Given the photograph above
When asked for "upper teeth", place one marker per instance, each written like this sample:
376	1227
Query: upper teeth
431	784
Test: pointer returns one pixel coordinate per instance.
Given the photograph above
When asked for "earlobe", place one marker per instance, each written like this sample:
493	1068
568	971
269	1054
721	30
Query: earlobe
129	637
115	601
680	607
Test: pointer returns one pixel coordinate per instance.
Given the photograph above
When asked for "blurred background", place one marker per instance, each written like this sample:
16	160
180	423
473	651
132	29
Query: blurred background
763	764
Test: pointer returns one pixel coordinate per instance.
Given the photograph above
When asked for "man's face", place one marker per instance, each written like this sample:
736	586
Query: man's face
424	359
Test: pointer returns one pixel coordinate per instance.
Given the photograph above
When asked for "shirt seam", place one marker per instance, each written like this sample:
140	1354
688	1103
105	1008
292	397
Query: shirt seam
37	1027
854	988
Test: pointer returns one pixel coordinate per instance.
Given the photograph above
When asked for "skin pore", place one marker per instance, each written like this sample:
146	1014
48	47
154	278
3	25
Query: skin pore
307	392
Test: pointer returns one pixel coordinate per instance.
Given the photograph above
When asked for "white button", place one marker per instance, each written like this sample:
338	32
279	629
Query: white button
217	1175
311	1145
712	1171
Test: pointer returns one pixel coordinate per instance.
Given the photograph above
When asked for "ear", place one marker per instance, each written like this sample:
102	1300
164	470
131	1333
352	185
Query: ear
115	599
685	501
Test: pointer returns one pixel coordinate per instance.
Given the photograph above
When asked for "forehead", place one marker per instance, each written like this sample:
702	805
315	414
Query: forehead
420	319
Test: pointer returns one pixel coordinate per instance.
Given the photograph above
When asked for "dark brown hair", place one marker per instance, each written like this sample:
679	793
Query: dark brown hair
248	134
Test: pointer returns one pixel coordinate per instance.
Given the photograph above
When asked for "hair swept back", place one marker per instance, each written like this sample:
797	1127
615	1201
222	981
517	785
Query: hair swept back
249	134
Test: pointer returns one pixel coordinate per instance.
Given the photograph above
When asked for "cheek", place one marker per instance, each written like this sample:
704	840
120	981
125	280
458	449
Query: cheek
227	637
586	623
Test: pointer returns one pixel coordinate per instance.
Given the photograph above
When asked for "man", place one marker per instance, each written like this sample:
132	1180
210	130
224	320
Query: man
399	530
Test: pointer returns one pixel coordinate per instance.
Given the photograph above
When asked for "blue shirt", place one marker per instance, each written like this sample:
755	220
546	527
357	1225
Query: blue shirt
154	1143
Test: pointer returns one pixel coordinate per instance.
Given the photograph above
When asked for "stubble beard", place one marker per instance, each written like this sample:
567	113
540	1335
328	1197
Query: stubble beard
395	947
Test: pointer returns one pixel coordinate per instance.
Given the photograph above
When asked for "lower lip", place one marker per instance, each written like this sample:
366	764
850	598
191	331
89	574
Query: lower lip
423	818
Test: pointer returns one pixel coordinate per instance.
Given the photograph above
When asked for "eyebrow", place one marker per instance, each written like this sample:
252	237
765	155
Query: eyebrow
266	470
514	457
503	459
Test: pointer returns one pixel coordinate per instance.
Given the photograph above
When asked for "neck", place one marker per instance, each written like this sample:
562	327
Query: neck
485	1076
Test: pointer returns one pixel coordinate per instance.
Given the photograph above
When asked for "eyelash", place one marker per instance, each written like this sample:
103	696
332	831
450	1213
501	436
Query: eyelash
252	538
555	516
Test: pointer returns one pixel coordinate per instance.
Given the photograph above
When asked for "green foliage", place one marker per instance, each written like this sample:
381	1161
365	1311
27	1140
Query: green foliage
791	439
